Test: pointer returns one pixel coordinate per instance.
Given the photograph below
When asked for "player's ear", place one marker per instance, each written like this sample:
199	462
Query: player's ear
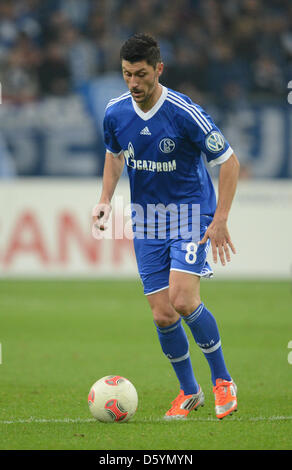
159	68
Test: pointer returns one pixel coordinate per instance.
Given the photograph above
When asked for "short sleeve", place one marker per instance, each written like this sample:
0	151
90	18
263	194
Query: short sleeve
110	140
205	134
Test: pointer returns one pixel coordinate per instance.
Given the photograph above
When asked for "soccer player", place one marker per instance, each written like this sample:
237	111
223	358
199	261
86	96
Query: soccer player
160	135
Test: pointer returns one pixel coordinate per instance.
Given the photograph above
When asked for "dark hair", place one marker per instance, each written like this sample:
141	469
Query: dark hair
141	47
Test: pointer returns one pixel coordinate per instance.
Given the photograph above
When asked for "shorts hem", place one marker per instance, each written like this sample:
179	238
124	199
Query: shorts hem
207	274
157	290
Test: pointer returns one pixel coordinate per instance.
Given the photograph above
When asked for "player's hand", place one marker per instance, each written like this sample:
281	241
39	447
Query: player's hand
100	216
220	240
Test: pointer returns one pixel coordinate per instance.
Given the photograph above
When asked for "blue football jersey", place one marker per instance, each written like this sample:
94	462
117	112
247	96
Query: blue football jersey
163	149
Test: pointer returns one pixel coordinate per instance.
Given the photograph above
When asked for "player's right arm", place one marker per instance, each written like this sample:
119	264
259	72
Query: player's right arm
113	168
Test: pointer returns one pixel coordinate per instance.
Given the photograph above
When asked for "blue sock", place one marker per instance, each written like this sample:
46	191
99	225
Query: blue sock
205	332
175	345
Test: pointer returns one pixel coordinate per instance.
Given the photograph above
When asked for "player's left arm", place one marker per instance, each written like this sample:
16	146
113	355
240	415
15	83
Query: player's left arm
217	231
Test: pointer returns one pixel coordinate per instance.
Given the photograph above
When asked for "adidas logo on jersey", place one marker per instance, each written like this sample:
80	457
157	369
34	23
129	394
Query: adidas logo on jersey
145	131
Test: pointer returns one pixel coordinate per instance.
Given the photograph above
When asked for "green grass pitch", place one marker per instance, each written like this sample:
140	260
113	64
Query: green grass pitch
59	337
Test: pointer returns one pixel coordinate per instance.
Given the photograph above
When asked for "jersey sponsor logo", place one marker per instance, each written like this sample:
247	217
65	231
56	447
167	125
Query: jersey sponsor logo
131	151
167	145
148	165
215	142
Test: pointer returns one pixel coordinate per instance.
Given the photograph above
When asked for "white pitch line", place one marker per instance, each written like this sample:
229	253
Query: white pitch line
45	420
144	420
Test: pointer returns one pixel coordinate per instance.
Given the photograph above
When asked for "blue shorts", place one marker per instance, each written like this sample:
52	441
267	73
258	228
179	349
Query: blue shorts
157	257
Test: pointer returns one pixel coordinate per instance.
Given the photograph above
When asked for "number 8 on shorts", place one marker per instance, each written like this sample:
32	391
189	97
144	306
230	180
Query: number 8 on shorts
191	250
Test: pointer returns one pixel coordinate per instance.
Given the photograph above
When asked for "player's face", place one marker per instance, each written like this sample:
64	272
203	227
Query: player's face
143	81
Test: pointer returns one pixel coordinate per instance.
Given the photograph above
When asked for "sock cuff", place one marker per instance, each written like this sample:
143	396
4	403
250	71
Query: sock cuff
170	328
178	359
189	319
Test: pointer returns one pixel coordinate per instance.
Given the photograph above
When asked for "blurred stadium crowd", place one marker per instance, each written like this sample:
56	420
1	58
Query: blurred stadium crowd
215	51
223	48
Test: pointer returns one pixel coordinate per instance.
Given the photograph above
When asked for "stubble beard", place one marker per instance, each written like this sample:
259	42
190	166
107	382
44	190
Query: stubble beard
145	96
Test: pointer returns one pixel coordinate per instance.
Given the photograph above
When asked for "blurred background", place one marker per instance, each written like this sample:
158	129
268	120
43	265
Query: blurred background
59	66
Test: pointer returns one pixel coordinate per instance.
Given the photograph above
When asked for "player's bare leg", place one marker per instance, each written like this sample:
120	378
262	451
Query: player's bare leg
184	292
163	312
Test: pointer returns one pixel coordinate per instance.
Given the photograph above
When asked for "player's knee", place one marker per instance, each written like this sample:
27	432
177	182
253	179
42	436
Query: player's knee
164	316
181	306
183	303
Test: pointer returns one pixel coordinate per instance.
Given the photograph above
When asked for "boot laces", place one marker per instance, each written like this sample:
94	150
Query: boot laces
221	390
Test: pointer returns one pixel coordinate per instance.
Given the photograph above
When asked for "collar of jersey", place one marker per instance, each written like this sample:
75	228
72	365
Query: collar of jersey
149	114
